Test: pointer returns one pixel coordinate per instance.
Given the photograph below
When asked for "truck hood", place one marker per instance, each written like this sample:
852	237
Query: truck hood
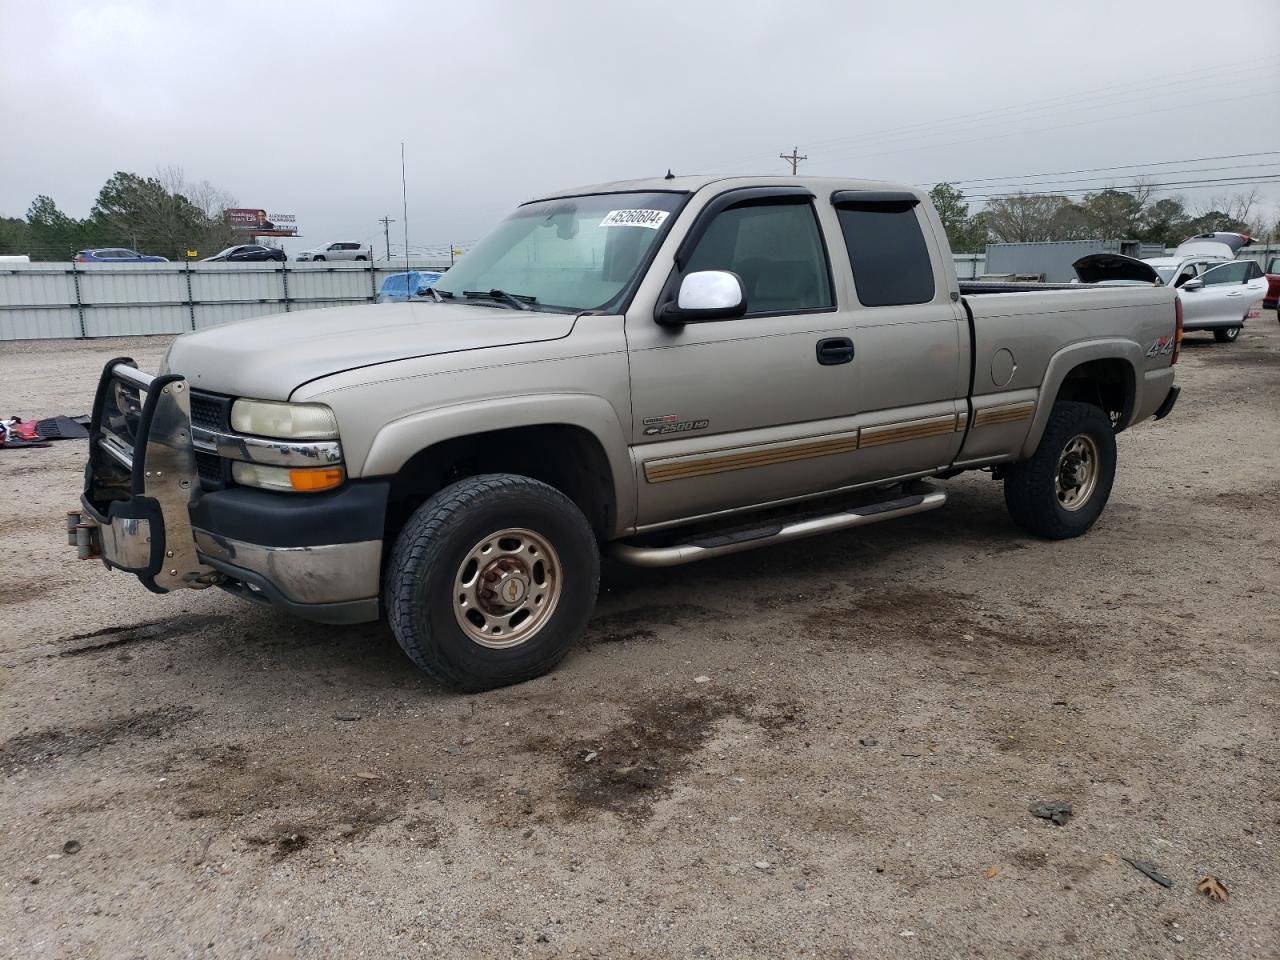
1112	267
269	357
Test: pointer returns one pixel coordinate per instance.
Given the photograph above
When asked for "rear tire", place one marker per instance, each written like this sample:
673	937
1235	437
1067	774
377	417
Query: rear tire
491	581
362	258
1060	492
1226	334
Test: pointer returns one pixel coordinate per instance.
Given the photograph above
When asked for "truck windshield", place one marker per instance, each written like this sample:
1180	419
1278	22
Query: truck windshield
573	253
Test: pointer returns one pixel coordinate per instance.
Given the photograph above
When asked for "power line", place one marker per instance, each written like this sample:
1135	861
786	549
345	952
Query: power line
1122	166
1007	113
1171	185
1024	131
1259	169
1030	110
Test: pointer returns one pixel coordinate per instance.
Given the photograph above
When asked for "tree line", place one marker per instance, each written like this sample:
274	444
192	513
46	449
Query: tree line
1110	214
162	215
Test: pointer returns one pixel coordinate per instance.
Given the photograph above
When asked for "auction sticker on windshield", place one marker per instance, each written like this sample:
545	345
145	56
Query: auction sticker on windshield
634	218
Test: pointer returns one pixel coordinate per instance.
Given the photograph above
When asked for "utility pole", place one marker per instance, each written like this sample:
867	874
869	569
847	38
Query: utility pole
793	158
386	232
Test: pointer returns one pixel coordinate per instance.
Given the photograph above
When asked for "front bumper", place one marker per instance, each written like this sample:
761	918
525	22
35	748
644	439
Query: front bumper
143	511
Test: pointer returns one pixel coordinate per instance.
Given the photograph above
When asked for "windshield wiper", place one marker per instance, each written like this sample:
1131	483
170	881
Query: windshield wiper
438	296
514	300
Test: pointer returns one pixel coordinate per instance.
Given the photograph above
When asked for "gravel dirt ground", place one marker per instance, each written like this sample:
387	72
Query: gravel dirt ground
825	749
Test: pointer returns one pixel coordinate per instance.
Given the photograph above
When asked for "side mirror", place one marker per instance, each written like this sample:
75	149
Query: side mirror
1195	283
706	295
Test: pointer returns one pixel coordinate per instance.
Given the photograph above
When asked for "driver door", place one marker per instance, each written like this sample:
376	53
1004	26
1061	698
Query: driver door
729	413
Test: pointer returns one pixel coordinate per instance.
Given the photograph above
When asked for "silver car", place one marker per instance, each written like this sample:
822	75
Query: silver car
337	250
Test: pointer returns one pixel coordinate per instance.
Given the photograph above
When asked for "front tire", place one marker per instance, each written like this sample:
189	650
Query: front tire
492	581
1226	334
317	259
1060	492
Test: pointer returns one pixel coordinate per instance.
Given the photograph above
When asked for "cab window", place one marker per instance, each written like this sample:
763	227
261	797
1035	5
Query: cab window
777	251
887	252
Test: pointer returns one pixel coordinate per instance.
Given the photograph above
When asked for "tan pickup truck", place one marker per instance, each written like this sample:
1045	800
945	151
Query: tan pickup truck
665	370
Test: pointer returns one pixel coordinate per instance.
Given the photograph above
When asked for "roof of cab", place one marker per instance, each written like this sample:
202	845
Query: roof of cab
691	184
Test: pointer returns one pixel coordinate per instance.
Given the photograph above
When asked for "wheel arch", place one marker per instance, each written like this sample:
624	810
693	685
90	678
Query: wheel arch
573	443
1104	373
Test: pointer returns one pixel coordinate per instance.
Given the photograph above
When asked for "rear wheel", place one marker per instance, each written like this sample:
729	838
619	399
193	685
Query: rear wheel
1226	334
491	581
362	258
1060	492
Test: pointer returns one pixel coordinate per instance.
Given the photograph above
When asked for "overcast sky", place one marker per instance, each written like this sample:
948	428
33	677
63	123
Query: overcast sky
300	107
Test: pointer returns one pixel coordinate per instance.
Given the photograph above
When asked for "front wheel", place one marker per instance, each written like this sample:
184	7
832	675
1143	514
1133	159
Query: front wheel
491	581
1226	334
1060	492
317	259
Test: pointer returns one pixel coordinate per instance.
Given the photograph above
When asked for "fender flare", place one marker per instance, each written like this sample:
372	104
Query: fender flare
1066	360
401	439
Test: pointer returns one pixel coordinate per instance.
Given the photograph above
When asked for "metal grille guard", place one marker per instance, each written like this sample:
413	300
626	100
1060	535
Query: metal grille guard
138	489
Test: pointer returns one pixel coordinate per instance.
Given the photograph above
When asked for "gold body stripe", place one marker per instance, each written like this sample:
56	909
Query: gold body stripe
911	430
657	471
1006	413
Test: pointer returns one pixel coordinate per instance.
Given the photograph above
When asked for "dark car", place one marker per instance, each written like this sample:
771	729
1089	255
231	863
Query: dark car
247	252
116	255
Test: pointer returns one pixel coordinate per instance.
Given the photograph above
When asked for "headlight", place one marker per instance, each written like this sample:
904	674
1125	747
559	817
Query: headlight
286	421
291	479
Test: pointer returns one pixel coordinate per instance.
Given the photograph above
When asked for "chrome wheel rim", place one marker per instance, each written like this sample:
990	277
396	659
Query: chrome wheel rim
1077	475
1233	332
506	588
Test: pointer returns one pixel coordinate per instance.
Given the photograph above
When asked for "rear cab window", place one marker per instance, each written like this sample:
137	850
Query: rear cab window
888	253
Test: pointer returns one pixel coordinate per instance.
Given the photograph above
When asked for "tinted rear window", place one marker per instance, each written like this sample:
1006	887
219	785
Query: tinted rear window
887	252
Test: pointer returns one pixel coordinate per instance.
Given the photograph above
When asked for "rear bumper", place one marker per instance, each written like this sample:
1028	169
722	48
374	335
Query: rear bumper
142	512
1170	399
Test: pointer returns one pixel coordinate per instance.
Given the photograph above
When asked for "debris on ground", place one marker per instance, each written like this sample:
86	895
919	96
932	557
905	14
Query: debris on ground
702	679
1212	888
346	717
991	872
869	741
1150	870
73	846
1052	810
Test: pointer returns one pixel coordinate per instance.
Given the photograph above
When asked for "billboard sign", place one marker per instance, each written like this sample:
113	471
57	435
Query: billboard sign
262	224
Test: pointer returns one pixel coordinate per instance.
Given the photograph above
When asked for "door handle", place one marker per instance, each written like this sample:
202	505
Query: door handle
834	350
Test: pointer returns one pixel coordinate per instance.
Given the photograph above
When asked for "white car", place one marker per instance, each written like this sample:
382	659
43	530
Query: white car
338	250
1214	298
1223	297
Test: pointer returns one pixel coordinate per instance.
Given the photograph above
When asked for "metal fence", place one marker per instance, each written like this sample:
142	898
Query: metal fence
47	301
42	301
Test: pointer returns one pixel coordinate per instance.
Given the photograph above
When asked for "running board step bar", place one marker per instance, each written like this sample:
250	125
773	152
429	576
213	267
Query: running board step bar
718	545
